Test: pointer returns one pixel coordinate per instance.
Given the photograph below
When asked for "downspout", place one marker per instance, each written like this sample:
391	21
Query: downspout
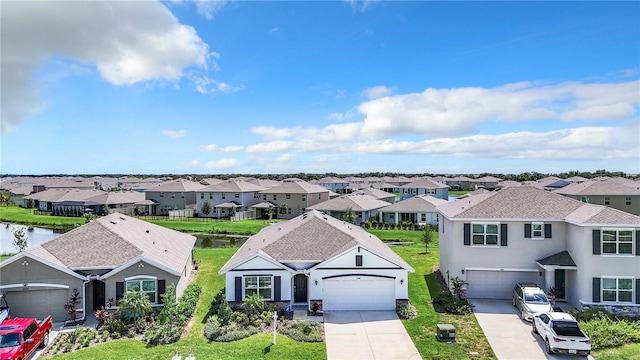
84	298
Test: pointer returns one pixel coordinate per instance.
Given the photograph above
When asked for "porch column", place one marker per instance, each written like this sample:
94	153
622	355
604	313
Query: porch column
396	218
549	279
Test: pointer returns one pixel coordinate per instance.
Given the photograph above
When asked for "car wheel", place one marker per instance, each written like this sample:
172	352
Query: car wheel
45	340
546	343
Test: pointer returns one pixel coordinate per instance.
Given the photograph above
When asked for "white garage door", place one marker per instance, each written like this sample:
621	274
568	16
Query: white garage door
496	284
358	293
39	303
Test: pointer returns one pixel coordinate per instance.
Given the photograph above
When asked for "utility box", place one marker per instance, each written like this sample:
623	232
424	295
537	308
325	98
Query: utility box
445	332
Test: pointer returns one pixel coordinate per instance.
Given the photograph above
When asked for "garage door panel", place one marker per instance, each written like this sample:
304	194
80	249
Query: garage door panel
364	293
496	284
38	303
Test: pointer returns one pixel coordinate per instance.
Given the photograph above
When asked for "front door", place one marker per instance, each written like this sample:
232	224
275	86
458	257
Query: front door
560	283
98	294
300	288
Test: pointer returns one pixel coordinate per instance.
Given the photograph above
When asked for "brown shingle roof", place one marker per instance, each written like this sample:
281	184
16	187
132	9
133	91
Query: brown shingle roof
356	202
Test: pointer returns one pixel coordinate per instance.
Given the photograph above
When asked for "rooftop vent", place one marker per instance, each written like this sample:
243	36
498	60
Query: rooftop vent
147	231
121	218
113	222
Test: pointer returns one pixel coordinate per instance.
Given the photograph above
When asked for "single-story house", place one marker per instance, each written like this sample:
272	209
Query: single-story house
420	209
102	259
315	258
363	206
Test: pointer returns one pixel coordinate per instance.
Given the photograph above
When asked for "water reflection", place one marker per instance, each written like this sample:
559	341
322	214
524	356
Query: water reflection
35	236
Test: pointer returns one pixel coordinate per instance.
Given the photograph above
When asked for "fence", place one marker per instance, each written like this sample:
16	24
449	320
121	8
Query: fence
186	213
244	215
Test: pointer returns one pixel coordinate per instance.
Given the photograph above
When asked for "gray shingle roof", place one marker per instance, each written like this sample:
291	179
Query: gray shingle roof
356	202
113	240
312	237
237	186
528	202
424	183
179	185
419	203
562	258
606	187
296	187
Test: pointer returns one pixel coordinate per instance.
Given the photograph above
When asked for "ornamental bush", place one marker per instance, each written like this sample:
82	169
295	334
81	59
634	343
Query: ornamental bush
307	331
406	312
445	302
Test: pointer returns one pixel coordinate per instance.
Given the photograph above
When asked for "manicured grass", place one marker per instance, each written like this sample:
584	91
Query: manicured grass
458	192
254	347
243	227
402	235
627	352
422	286
4	257
18	215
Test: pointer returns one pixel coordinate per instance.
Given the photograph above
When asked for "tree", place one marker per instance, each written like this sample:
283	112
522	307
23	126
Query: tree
232	212
283	208
349	216
105	210
271	211
20	237
30	203
136	303
427	237
89	217
206	207
6	199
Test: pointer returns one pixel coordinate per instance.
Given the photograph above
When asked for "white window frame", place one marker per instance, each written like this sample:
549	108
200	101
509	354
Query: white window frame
484	234
617	289
627	200
139	279
617	242
431	191
541	230
607	200
258	287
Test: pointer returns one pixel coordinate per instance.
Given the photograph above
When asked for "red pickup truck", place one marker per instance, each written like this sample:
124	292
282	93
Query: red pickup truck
20	337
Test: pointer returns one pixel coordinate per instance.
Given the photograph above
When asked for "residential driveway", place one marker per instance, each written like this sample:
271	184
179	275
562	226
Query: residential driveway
367	335
510	337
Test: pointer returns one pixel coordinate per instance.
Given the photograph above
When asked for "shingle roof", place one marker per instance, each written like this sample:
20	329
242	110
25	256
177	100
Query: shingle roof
424	183
238	186
59	195
113	240
312	237
606	187
376	193
528	202
296	187
179	185
562	258
356	202
419	203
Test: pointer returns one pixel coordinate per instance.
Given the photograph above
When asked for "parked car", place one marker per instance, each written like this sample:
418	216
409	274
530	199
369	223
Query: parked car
530	300
561	334
5	312
20	337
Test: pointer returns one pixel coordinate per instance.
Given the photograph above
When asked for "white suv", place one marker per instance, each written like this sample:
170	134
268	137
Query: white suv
530	300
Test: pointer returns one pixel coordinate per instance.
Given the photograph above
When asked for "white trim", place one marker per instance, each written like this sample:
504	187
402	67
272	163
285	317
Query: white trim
129	263
541	237
244	285
32	285
23	254
260	255
556	267
499	269
409	269
141	277
617	290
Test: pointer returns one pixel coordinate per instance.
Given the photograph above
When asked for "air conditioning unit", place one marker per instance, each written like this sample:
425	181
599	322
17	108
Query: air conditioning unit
446	333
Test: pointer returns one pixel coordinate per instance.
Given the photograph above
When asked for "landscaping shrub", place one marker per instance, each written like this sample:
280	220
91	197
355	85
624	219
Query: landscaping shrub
159	334
406	312
189	299
307	331
224	313
237	334
214	331
219	299
607	331
445	302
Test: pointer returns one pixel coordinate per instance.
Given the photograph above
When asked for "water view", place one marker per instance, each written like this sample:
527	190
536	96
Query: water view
35	236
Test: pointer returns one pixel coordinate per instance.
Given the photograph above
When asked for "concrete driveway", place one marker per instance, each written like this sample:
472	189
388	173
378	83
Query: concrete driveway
510	337
367	335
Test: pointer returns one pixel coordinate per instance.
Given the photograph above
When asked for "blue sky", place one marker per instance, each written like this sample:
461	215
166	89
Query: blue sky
335	86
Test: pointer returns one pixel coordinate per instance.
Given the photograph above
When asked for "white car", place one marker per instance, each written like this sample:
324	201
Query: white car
530	300
561	334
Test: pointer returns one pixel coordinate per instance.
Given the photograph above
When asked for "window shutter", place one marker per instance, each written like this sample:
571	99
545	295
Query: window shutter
596	242
119	290
238	289
527	230
503	234
637	291
277	285
467	234
547	231
358	260
596	290
162	289
638	249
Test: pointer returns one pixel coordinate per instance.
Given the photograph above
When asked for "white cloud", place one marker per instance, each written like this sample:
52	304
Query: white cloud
216	148
174	134
377	92
222	164
207	85
359	5
208	8
285	157
127	41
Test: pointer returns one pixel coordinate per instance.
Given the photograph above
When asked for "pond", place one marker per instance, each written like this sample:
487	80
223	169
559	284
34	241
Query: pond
218	240
35	236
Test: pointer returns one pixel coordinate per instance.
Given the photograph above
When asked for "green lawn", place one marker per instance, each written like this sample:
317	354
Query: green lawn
244	227
627	352
255	347
23	216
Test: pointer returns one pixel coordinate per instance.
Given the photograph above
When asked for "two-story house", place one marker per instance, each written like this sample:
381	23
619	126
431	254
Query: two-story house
424	186
227	195
178	194
293	197
621	194
589	253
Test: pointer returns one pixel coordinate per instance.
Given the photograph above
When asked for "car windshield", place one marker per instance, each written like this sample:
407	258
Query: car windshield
535	298
9	340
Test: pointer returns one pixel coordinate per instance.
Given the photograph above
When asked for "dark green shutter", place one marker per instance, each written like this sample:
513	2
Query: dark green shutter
238	288
547	231
162	289
527	230
358	260
637	249
503	234
596	290
277	286
467	234
119	291
596	242
637	291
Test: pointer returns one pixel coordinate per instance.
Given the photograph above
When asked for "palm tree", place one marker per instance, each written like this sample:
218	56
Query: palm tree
349	216
271	211
136	303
